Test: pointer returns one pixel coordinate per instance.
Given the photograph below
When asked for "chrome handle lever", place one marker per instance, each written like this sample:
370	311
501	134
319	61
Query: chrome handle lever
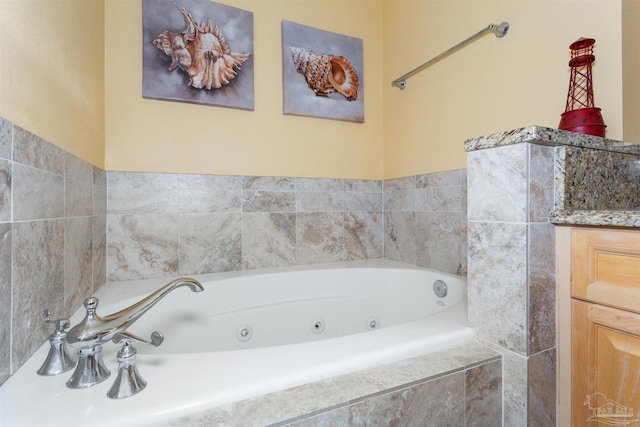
128	381
127	337
58	360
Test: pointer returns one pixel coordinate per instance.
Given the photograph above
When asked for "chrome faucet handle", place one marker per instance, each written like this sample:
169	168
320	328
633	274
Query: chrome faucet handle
128	381
58	360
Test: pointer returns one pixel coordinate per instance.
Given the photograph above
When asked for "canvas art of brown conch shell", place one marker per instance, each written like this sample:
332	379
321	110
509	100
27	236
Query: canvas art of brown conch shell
326	73
202	52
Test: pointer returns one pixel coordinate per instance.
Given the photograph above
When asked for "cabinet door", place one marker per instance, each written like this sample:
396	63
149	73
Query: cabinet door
605	365
605	267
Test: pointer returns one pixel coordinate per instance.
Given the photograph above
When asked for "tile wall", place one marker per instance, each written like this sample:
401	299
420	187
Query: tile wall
52	239
170	224
426	220
511	280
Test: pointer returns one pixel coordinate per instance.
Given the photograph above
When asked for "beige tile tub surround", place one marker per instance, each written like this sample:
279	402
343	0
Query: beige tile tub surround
168	224
86	226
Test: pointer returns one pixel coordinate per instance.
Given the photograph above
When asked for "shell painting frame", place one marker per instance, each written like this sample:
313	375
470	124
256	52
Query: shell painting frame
322	74
197	51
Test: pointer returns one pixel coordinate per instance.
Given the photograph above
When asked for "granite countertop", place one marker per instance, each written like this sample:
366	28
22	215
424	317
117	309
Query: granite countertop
597	180
617	218
553	137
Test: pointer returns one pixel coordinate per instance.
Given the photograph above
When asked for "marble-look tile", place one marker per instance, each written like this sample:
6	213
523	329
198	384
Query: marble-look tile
438	240
209	201
36	194
268	201
78	197
542	259
38	284
6	138
268	183
396	184
497	184
436	403
210	182
99	252
145	200
268	239
5	190
541	181
483	395
515	386
439	179
31	150
141	246
363	185
439	199
99	192
78	169
400	200
494	283
399	236
142	181
320	237
337	417
542	319
362	201
316	201
542	389
5	300
318	184
542	287
210	243
78	262
363	234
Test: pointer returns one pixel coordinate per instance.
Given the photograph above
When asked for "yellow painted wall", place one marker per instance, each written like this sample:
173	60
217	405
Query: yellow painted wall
52	72
162	136
72	74
631	69
494	84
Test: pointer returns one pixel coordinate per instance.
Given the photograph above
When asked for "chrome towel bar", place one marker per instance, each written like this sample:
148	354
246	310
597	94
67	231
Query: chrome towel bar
499	30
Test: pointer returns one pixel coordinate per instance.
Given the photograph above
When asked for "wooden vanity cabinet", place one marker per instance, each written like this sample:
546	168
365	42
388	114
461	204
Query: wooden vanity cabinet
605	344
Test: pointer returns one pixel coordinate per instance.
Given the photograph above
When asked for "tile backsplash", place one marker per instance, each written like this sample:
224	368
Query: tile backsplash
169	224
67	228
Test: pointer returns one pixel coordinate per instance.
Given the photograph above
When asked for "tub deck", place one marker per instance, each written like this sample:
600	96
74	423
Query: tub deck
331	398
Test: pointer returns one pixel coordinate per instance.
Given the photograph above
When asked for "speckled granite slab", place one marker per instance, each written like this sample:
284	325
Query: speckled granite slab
548	136
597	218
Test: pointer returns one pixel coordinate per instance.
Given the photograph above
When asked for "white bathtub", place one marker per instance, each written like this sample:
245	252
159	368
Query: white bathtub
305	324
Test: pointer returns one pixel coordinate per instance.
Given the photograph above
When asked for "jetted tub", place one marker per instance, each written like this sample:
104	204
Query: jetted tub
249	334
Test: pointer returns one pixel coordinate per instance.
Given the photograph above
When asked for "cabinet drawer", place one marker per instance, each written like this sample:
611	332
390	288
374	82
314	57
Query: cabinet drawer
606	267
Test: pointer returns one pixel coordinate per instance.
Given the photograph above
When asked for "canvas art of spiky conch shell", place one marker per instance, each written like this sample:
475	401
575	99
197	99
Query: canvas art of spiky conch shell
326	73
202	52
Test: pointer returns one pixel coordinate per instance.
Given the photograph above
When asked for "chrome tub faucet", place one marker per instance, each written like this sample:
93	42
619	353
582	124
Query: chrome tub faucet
88	335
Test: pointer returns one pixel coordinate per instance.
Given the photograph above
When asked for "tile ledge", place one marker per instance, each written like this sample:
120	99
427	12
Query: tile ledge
552	137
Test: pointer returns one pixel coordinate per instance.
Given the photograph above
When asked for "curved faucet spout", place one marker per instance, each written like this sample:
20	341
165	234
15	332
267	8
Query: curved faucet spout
94	329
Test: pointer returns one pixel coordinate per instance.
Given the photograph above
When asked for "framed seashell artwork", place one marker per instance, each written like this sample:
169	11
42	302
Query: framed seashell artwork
322	74
197	51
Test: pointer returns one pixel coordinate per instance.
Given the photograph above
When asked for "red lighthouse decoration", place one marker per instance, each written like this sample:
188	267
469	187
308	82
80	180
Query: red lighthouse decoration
580	114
